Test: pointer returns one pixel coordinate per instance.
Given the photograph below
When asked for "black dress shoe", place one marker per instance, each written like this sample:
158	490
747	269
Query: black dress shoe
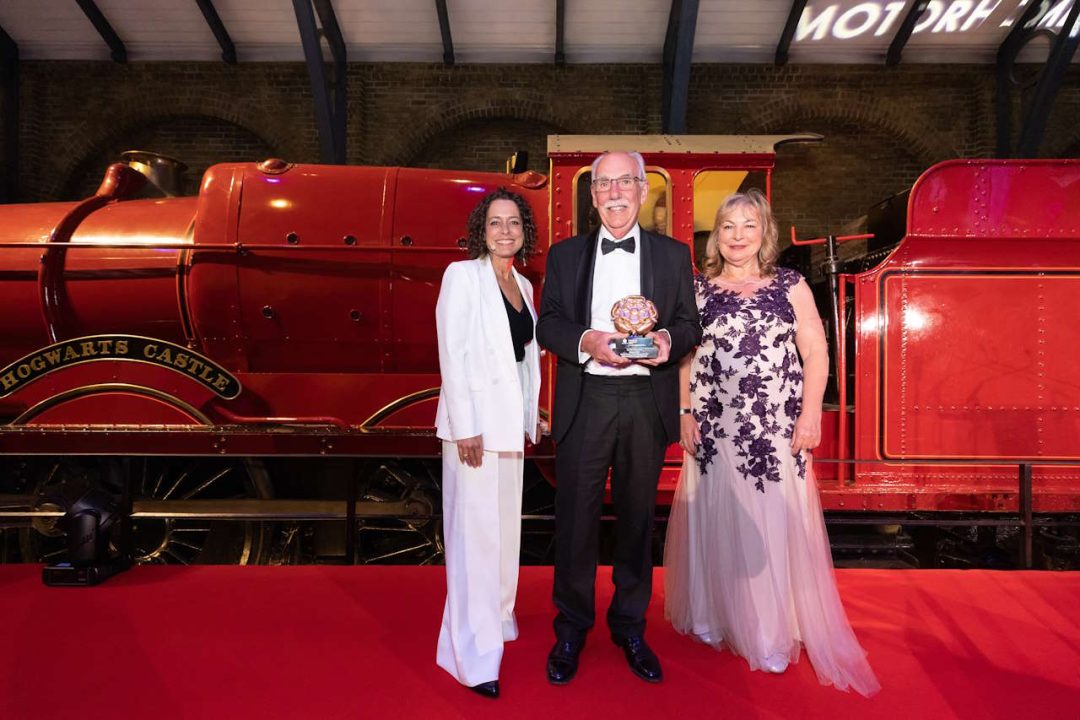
488	689
641	659
563	660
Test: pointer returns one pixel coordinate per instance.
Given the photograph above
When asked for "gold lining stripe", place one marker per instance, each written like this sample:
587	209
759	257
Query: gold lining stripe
142	390
402	402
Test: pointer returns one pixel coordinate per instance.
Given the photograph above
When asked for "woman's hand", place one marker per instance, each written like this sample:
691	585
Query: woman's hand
689	434
542	429
470	451
807	432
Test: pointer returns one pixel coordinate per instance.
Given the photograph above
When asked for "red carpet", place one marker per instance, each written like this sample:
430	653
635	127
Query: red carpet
338	642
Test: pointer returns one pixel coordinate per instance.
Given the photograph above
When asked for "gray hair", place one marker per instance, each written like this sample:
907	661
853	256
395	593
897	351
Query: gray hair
635	156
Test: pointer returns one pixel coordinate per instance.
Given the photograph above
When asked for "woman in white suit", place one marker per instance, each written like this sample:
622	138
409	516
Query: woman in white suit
490	367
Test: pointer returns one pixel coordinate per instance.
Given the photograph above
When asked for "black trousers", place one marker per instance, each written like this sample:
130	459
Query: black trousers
617	427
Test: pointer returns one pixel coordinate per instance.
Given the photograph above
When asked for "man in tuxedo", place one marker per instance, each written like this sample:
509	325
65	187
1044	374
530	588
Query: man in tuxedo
611	413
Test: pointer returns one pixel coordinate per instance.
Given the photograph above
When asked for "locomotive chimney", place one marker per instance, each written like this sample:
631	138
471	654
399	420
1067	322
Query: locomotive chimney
163	172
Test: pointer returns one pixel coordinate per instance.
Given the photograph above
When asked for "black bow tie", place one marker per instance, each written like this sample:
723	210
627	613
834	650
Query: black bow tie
607	246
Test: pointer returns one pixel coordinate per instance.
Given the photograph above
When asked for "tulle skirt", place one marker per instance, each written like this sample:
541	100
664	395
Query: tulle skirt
752	571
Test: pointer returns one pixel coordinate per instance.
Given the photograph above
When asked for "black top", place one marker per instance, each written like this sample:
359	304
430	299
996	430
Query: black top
521	327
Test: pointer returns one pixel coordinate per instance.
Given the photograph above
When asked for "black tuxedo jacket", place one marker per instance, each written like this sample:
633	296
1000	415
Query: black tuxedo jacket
565	313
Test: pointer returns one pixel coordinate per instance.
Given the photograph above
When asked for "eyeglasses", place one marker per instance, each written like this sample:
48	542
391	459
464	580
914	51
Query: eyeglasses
624	183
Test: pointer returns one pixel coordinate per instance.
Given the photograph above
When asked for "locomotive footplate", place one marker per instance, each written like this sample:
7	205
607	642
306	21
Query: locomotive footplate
236	440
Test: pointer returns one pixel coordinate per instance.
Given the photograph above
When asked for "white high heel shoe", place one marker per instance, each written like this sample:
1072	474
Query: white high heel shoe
775	663
705	638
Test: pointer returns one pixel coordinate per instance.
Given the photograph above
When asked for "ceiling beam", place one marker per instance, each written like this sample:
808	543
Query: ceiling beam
105	30
228	50
678	52
560	32
1022	31
1061	55
330	106
331	31
788	34
444	28
9	89
903	33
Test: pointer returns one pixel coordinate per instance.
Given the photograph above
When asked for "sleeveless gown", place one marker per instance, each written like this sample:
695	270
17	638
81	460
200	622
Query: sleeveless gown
747	558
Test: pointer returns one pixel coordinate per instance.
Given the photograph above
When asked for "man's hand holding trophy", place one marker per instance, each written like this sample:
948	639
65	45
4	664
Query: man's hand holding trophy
633	341
636	316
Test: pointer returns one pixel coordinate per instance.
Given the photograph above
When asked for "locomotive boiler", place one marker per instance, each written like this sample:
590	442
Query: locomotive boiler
277	332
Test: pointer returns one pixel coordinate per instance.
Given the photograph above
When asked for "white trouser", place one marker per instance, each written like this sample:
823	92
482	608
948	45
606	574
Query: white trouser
482	536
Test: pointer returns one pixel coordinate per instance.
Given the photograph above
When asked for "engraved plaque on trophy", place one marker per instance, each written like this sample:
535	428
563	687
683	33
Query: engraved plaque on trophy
634	315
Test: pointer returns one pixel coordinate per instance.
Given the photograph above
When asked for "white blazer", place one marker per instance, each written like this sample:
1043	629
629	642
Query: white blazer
482	391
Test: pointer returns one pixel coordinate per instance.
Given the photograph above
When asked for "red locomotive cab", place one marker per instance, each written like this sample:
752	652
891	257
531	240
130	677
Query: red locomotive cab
966	338
688	179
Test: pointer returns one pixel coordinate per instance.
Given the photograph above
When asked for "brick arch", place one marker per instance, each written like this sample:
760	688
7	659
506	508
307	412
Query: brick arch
451	115
779	116
197	140
825	189
95	135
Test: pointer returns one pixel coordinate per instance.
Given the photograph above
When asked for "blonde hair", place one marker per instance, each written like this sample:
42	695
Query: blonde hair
770	234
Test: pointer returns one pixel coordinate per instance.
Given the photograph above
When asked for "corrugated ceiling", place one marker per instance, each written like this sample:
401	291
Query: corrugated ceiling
956	31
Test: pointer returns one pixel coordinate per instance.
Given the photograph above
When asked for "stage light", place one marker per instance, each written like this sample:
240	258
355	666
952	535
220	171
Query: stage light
91	523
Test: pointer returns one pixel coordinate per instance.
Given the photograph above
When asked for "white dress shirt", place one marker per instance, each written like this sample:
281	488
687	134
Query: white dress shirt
615	276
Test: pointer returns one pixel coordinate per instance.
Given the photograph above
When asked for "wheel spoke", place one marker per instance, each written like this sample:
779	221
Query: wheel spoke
369	528
55	468
157	484
395	553
181	543
207	484
182	477
168	551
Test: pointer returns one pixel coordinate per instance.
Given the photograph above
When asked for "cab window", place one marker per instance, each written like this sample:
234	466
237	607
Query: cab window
711	188
653	211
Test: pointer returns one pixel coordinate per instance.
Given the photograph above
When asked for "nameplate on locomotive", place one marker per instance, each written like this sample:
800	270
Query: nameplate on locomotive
131	348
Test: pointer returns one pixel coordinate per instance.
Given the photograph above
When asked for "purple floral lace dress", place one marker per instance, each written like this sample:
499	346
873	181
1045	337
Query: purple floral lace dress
747	560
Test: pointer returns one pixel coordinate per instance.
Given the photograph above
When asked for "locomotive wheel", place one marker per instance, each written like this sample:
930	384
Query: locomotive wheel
538	518
183	541
413	537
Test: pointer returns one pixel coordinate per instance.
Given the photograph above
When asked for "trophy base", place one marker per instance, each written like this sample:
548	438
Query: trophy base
635	347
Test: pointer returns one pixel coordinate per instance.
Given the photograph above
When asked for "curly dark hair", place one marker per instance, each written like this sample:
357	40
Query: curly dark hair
476	244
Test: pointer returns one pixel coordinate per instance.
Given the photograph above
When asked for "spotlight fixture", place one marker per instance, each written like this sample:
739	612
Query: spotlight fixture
92	523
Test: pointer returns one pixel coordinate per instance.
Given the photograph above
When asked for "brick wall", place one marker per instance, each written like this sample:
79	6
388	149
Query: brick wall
882	126
73	112
197	140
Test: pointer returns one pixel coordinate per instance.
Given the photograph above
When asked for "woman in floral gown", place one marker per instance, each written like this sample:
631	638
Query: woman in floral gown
747	559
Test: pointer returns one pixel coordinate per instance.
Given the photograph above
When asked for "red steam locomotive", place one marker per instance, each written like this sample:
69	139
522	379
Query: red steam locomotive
277	331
